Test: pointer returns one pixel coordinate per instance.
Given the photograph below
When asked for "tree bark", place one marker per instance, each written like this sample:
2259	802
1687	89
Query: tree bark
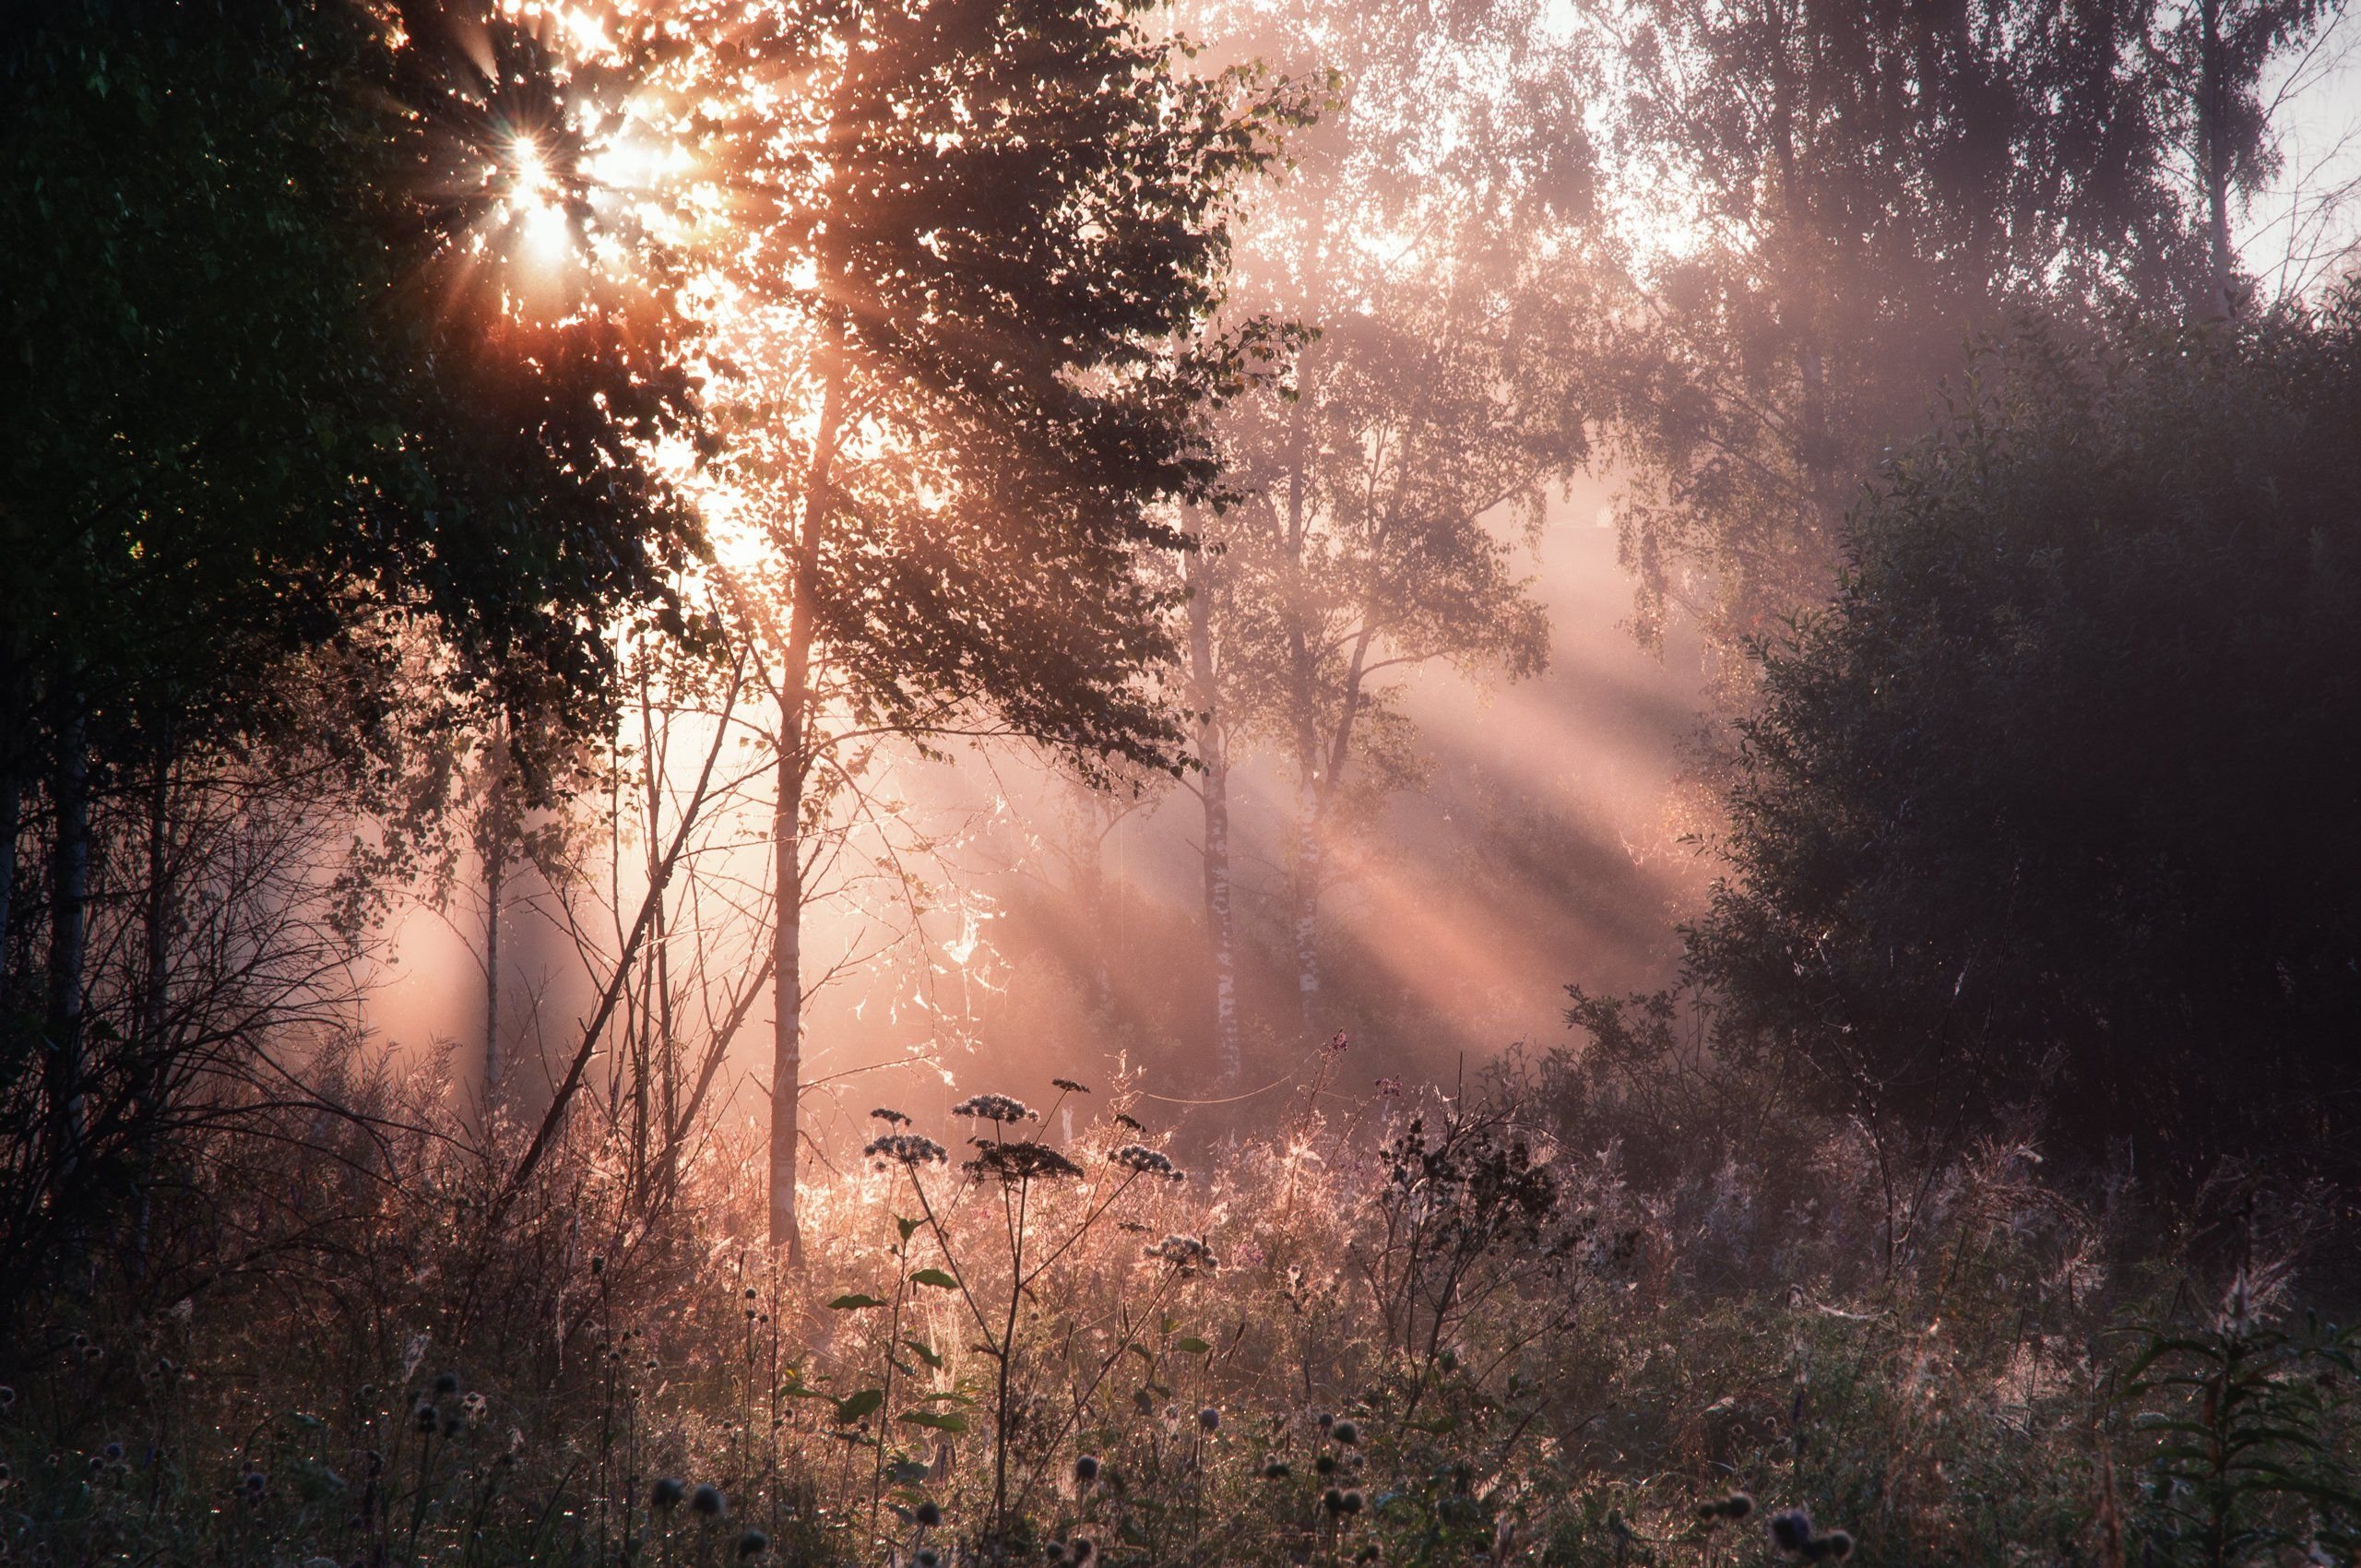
68	913
2214	154
495	877
795	762
1213	753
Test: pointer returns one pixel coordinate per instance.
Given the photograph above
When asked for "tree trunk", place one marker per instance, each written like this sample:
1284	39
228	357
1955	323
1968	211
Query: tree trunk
1307	897
12	807
495	878
1214	754
160	890
795	761
787	992
2213	159
68	907
155	1065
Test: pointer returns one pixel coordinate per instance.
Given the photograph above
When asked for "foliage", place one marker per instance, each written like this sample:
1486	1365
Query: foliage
1866	187
2046	818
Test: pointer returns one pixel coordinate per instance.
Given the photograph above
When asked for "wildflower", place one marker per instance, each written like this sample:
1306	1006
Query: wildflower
256	1483
993	1108
424	1418
1086	1468
1327	1423
445	1384
1067	1085
1132	1123
473	1408
1352	1502
1209	1419
111	1453
754	1543
1333	1499
1389	1088
1145	1162
1737	1505
1276	1470
665	1495
1339	1041
928	1513
1346	1434
707	1500
891	1118
1324	1465
905	1148
1791	1529
1184	1255
1836	1544
1012	1163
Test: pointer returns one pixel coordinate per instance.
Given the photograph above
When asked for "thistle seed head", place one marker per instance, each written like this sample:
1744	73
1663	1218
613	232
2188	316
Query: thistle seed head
1346	1434
1086	1468
1209	1419
928	1513
666	1494
752	1543
707	1500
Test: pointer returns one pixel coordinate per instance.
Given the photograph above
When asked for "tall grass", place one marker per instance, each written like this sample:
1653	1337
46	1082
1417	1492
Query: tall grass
1439	1331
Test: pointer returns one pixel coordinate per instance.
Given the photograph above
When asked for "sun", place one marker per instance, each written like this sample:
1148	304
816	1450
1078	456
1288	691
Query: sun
537	206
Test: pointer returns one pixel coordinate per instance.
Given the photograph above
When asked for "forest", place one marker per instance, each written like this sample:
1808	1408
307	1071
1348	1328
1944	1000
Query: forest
1181	783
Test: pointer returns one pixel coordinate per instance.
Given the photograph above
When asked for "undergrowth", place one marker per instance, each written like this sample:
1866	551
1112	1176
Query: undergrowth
1437	1331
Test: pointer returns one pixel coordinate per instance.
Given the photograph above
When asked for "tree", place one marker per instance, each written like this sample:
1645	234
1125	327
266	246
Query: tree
276	409
2046	820
1429	238
991	238
1828	200
2208	57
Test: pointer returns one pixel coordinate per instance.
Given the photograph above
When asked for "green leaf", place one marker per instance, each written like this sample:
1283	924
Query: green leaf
940	1421
852	1303
1191	1346
936	1278
908	1228
853	1407
925	1353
